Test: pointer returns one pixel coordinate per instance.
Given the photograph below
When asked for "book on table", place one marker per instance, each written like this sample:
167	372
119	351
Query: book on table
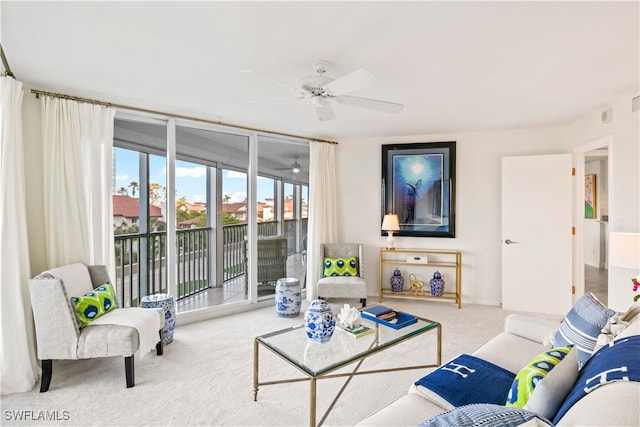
388	317
377	310
357	331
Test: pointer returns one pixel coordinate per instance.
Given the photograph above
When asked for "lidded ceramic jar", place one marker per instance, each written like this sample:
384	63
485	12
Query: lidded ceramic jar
319	321
397	281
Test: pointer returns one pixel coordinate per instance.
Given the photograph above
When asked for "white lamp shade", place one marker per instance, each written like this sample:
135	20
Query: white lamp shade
624	250
390	223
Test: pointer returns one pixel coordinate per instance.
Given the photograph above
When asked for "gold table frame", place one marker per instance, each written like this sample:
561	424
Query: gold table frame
383	338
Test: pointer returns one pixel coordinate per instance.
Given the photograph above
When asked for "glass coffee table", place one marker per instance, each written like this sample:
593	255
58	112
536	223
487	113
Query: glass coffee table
318	361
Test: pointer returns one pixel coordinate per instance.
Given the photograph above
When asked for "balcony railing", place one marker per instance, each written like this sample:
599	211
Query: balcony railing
194	266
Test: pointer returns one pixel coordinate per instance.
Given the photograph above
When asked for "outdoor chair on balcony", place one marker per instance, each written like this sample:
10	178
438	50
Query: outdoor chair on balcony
272	261
341	272
76	317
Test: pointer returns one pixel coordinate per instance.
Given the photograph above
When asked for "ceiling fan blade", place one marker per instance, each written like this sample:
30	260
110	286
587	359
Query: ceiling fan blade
350	82
372	104
324	110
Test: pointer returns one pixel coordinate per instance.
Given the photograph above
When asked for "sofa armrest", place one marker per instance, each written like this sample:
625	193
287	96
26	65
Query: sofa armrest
536	329
57	329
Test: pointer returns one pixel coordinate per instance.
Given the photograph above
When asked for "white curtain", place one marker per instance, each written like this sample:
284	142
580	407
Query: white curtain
19	365
78	140
323	216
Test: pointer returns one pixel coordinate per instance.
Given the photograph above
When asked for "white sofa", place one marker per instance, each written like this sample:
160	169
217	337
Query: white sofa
524	337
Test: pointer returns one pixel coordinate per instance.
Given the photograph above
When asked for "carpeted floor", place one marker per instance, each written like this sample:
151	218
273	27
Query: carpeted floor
205	377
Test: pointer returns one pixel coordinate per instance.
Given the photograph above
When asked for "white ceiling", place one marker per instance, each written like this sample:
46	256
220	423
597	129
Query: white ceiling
456	66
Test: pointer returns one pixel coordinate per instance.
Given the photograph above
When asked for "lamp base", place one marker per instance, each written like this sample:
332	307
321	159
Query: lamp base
390	241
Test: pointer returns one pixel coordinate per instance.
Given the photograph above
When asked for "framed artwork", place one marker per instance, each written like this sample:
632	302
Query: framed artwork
418	185
590	196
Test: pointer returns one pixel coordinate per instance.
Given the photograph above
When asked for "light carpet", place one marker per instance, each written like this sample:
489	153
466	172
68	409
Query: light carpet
205	377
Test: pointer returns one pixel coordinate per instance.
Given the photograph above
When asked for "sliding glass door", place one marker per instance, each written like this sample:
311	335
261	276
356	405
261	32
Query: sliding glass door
211	215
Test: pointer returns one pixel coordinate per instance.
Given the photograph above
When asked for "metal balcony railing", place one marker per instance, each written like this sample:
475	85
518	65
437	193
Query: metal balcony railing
195	268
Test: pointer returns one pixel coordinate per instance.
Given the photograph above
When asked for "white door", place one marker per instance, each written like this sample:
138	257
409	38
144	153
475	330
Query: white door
536	233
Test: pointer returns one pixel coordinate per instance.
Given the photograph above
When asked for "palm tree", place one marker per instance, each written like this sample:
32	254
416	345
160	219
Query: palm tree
134	186
154	188
123	191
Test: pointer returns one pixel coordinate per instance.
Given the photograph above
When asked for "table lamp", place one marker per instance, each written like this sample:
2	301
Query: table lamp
624	251
390	224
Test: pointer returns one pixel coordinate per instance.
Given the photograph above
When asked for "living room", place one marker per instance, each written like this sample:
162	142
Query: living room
481	145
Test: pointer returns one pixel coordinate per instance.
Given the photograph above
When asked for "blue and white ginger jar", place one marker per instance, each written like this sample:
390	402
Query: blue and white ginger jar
397	281
319	321
437	284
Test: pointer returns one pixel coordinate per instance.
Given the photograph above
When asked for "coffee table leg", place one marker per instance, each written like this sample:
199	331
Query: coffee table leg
255	370
312	403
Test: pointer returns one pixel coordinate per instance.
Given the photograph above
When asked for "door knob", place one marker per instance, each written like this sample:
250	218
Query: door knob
509	241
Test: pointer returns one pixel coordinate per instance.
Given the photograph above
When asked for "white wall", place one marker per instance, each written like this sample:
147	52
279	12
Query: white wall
478	194
478	201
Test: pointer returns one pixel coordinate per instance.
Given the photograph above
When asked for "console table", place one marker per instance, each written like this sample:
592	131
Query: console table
422	263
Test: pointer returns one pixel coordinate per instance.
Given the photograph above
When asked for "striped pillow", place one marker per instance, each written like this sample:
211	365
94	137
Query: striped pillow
582	326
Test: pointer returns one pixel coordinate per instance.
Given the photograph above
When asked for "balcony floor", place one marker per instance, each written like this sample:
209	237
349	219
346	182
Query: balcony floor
234	290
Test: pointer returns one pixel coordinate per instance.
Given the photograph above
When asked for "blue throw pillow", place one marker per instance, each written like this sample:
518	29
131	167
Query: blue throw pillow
485	415
582	326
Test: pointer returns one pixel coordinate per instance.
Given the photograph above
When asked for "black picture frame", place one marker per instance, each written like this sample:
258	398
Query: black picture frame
418	185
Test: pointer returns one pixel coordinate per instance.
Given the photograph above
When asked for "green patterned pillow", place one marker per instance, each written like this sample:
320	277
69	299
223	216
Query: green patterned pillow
94	304
340	267
528	378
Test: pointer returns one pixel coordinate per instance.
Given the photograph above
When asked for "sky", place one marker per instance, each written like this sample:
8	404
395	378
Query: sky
190	178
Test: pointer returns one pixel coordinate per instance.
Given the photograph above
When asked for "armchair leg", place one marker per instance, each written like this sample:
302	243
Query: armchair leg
47	370
129	371
160	346
363	301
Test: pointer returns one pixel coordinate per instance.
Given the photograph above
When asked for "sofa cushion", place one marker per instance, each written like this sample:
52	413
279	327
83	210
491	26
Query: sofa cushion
340	267
486	415
596	408
553	389
94	304
582	325
509	351
408	410
532	374
615	362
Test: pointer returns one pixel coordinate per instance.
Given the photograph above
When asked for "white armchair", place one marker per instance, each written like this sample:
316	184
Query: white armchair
119	332
352	286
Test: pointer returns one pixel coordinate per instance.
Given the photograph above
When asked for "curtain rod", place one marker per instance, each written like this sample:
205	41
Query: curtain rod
5	63
177	116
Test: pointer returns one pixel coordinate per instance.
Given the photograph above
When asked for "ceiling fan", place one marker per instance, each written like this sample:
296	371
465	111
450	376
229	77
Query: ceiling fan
295	166
321	89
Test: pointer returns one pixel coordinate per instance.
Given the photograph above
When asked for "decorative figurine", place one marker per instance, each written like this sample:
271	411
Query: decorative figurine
437	284
416	286
397	281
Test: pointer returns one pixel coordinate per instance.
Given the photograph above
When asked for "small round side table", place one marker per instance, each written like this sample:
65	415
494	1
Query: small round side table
166	302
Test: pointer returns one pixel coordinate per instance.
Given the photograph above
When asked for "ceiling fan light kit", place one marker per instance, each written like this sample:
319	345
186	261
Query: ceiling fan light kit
320	89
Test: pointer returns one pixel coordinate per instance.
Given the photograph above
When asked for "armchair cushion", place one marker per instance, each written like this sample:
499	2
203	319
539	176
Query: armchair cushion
94	304
341	266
